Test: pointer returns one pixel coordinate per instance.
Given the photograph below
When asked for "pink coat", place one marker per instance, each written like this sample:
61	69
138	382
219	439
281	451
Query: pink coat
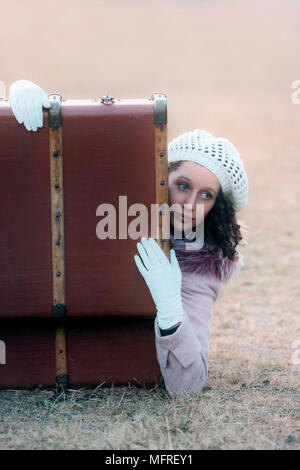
182	355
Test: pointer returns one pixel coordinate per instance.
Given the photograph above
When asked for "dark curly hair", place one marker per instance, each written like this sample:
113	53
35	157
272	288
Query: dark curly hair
221	229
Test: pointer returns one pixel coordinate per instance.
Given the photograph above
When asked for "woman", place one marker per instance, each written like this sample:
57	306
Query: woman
202	170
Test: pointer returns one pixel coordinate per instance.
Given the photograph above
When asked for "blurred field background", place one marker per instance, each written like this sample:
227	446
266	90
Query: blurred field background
226	66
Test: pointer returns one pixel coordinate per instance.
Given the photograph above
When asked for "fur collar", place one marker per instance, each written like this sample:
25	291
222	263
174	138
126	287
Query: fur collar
207	260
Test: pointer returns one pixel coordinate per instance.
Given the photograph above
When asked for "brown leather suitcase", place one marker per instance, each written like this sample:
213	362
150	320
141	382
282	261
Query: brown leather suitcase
55	271
100	351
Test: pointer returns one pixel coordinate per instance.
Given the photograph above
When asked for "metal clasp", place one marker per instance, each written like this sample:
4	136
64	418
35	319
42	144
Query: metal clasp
54	113
160	109
107	99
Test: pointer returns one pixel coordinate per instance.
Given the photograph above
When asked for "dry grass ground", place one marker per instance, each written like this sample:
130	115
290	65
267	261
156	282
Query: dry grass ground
227	415
226	66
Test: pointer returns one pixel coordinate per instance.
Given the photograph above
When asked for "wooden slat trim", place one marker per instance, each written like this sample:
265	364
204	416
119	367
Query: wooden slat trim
161	165
58	240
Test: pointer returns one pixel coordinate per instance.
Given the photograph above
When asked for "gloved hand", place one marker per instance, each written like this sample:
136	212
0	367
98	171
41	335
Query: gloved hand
164	281
27	101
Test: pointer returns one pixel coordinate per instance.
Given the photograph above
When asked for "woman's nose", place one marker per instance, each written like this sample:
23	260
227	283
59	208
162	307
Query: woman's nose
189	208
190	202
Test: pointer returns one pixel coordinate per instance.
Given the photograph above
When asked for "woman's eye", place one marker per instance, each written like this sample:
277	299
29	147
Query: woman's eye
183	184
187	186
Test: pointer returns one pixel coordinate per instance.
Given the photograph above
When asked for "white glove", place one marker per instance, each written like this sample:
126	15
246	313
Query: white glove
27	101
164	281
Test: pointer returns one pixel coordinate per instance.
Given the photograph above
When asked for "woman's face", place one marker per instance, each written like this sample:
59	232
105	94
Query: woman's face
191	184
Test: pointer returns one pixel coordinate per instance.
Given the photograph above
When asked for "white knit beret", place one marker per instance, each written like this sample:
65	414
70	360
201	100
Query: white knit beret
219	156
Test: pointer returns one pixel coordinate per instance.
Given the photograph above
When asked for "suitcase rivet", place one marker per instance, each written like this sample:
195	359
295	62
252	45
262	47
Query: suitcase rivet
58	274
56	153
162	183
